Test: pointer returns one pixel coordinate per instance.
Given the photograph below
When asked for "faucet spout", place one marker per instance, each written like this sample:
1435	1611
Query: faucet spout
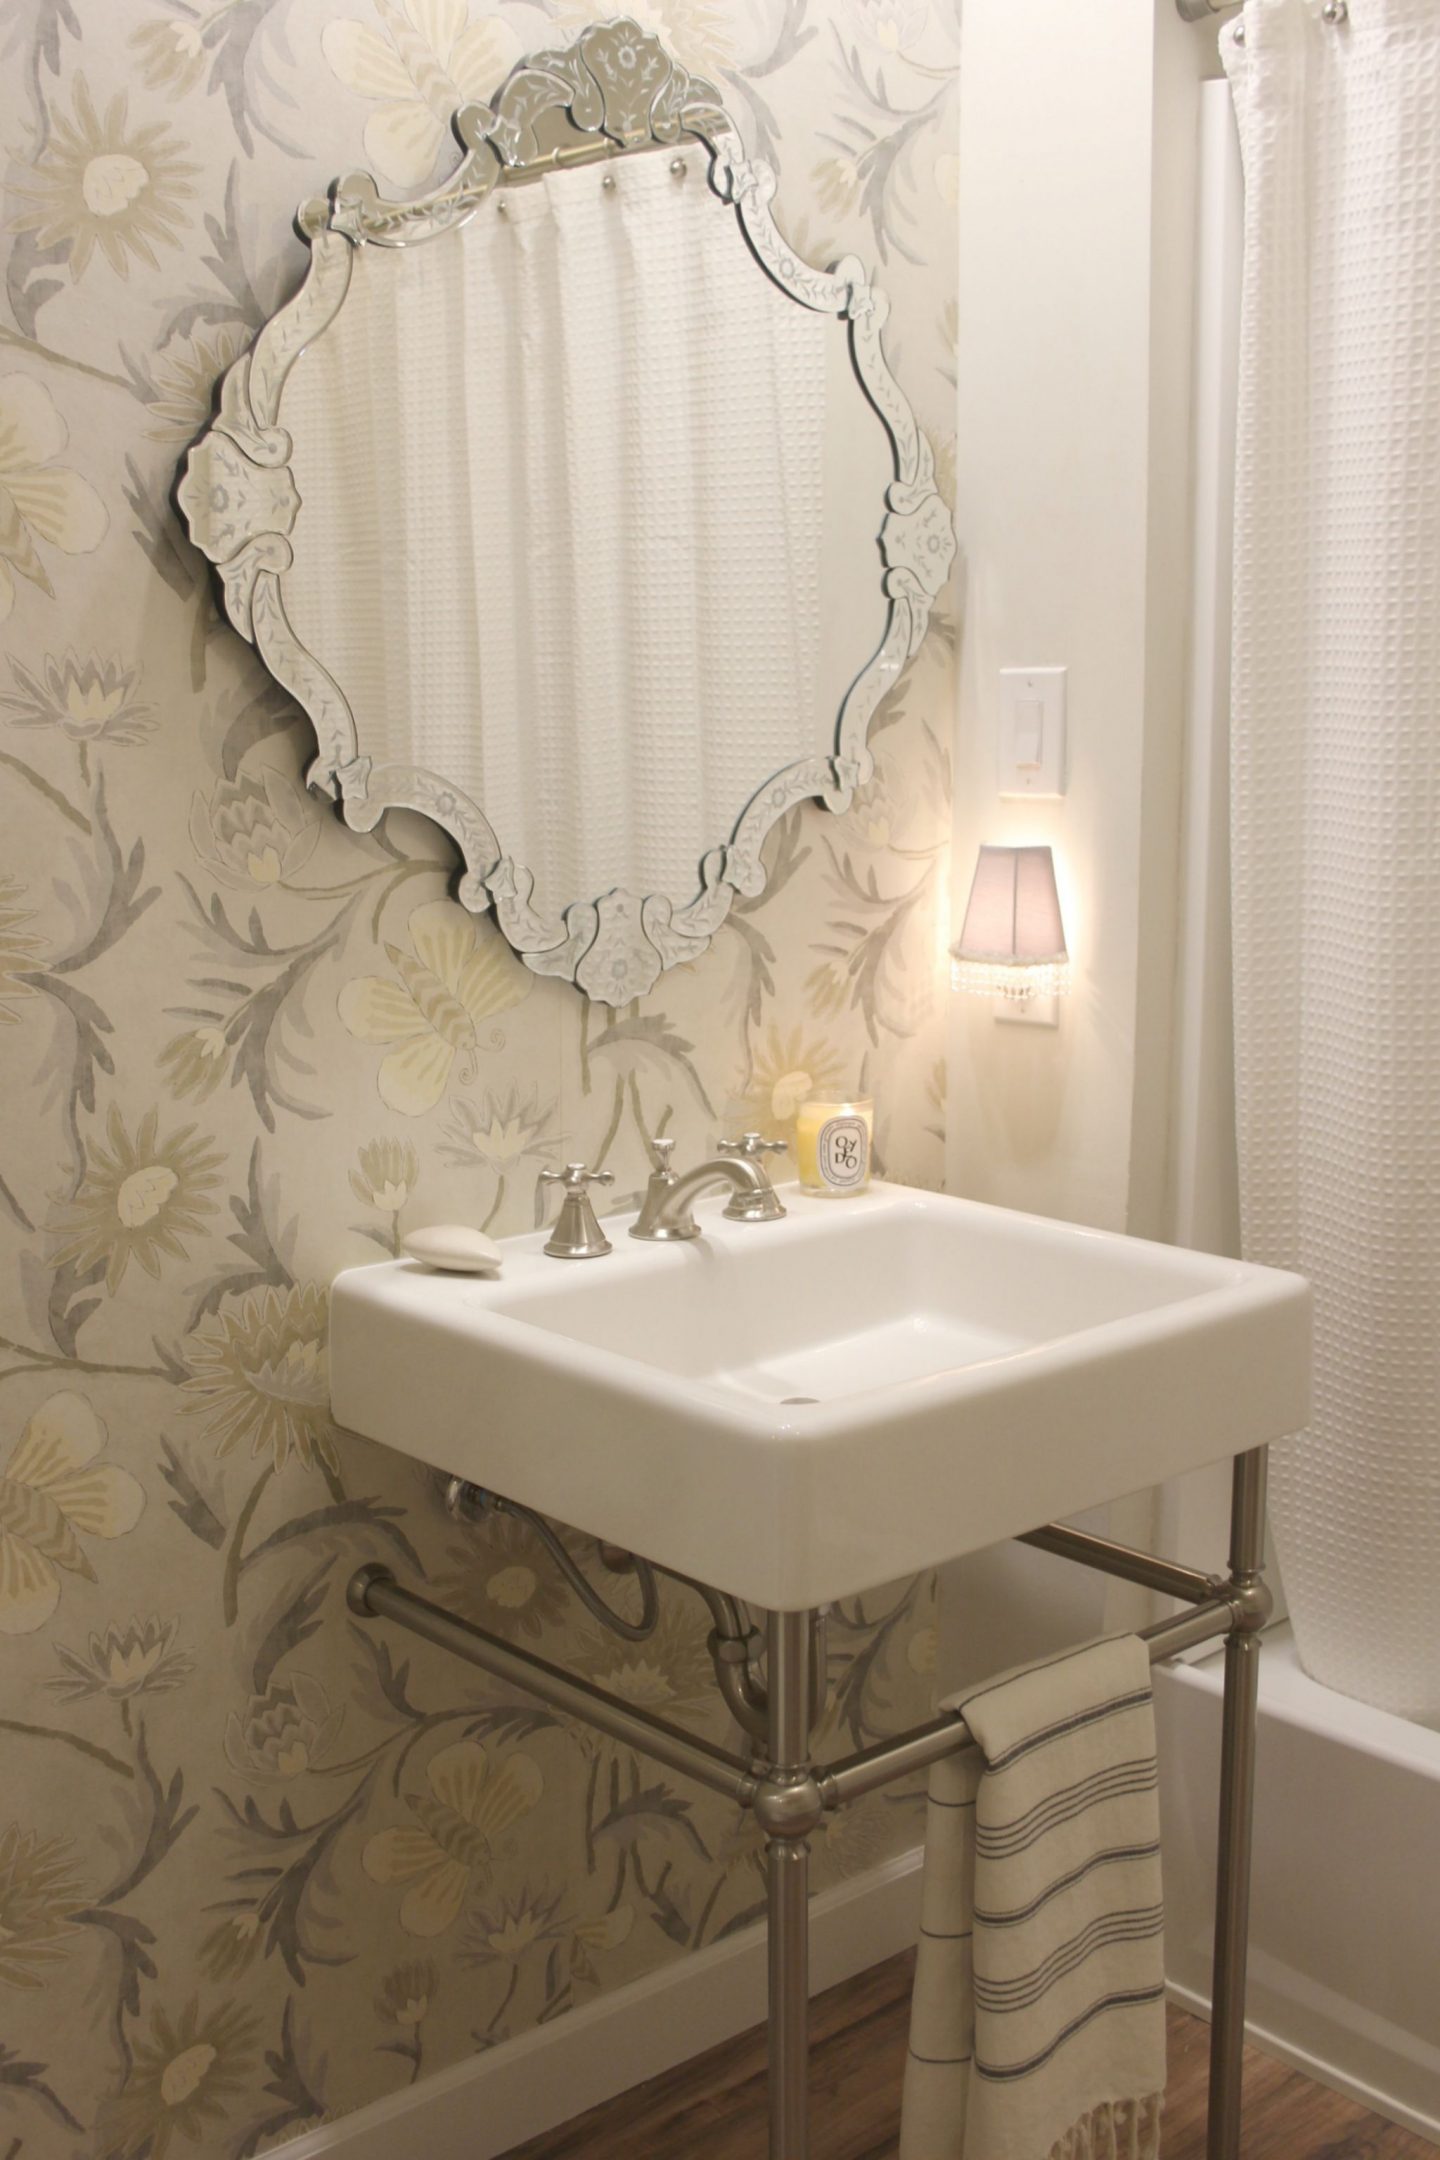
668	1216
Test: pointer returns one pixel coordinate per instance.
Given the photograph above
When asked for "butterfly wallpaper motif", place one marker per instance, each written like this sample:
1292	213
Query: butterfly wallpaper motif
260	1864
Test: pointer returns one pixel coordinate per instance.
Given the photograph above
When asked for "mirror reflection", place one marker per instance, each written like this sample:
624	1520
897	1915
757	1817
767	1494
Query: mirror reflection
579	512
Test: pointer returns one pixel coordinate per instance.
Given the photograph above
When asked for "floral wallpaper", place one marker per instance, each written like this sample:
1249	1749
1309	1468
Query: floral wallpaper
259	1863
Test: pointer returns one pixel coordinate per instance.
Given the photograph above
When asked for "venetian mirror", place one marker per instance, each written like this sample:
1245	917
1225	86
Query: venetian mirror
577	511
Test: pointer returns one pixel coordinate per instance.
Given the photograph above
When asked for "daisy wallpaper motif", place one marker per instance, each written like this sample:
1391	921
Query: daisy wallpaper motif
260	1864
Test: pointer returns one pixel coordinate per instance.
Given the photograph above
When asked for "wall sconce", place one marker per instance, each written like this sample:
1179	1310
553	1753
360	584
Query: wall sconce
1012	944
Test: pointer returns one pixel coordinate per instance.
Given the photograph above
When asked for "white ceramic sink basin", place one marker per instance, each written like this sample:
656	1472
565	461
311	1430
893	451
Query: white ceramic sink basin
795	1411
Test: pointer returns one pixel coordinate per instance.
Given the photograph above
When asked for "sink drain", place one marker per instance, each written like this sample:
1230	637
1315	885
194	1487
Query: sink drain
787	1400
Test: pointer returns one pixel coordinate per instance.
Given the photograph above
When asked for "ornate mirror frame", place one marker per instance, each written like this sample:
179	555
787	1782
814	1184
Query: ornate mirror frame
620	93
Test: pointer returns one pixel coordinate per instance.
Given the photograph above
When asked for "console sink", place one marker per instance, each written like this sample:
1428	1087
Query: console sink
799	1410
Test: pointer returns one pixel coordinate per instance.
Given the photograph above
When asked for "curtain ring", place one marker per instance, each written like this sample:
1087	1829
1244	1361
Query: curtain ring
1335	11
607	181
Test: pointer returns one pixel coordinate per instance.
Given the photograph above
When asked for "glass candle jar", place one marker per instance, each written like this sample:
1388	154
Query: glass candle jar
832	1145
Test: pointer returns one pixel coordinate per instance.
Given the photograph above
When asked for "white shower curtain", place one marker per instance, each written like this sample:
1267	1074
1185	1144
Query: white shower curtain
1336	802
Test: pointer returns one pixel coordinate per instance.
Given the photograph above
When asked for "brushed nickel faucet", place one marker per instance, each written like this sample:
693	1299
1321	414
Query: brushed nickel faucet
754	1147
577	1235
667	1215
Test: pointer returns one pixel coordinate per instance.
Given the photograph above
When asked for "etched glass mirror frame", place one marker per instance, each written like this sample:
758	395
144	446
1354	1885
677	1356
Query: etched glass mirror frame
614	92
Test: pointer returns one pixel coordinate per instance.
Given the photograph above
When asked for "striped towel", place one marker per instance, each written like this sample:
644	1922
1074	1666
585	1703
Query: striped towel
1037	2030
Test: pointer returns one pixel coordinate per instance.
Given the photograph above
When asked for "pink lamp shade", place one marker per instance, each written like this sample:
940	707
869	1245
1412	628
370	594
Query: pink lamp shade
1013	937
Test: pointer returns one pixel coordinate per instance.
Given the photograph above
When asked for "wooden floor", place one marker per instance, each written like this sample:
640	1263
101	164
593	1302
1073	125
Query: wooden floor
714	2108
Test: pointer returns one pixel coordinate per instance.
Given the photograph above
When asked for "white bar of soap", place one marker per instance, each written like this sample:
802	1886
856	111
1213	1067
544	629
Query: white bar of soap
455	1248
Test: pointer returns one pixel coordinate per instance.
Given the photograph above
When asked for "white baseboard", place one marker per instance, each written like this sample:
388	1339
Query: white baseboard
1315	2066
482	2108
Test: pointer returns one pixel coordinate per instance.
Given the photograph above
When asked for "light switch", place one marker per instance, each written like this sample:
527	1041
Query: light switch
1032	731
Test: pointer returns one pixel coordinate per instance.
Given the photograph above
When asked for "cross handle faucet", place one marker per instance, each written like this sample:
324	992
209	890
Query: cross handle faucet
577	1235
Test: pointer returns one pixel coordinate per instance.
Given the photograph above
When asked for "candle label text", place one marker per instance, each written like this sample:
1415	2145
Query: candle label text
843	1153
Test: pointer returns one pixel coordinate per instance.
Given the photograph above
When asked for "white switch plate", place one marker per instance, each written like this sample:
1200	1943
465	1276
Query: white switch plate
1032	731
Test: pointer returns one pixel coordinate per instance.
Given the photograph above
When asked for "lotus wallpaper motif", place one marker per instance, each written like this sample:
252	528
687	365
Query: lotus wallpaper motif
260	1864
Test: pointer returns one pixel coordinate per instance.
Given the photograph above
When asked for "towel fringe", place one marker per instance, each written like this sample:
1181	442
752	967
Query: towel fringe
1115	2130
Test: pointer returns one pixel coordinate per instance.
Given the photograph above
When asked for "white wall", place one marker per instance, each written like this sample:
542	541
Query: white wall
1078	136
1077	139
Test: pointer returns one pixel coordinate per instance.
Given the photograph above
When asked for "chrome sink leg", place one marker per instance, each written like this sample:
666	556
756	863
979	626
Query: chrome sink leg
788	1806
1237	1801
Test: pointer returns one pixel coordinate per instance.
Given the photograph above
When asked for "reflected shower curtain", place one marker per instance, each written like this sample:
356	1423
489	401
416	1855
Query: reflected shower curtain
1336	802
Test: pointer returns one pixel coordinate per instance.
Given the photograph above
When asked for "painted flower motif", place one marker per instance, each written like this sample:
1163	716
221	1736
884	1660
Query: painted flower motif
183	378
742	1849
39	500
386	1175
427	59
406	1994
230	1947
499	1134
853	1839
89	700
140	1659
454	982
505	1579
922	1652
260	1373
100	183
256	830
194	1063
669	1672
881	809
170	54
20	950
471	1802
592	1938
182	2079
836	181
505	1933
51	1492
788	1069
39	1892
288	1730
138	1199
894	25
